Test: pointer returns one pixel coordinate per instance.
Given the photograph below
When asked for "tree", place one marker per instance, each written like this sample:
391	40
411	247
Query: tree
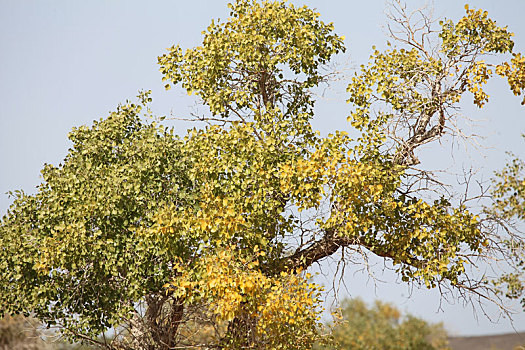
205	240
509	205
382	326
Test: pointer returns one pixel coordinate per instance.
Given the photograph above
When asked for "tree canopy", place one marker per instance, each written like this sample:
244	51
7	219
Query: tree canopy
205	240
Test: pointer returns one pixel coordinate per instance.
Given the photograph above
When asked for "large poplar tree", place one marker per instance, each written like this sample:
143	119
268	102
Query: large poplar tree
205	240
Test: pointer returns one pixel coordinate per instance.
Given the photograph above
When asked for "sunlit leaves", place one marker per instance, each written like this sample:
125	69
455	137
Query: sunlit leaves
284	309
75	242
509	191
246	62
515	74
475	32
509	204
402	97
204	238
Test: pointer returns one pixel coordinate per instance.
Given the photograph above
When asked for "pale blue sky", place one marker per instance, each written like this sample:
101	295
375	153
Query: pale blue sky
65	63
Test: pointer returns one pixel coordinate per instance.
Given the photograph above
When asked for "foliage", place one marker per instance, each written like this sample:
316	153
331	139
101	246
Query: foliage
244	63
515	73
204	240
382	326
509	204
72	244
509	190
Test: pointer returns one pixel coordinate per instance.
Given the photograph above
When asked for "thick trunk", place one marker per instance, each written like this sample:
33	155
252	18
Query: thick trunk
163	318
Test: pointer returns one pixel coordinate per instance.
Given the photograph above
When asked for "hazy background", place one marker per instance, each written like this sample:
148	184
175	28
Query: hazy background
66	63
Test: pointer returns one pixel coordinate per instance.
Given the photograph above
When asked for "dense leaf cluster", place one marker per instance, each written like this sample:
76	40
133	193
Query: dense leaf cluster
204	239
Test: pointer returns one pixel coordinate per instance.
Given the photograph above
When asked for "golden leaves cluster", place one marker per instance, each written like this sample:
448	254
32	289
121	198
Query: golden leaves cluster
284	309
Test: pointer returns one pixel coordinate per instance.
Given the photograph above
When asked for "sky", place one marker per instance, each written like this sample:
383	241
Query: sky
66	63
